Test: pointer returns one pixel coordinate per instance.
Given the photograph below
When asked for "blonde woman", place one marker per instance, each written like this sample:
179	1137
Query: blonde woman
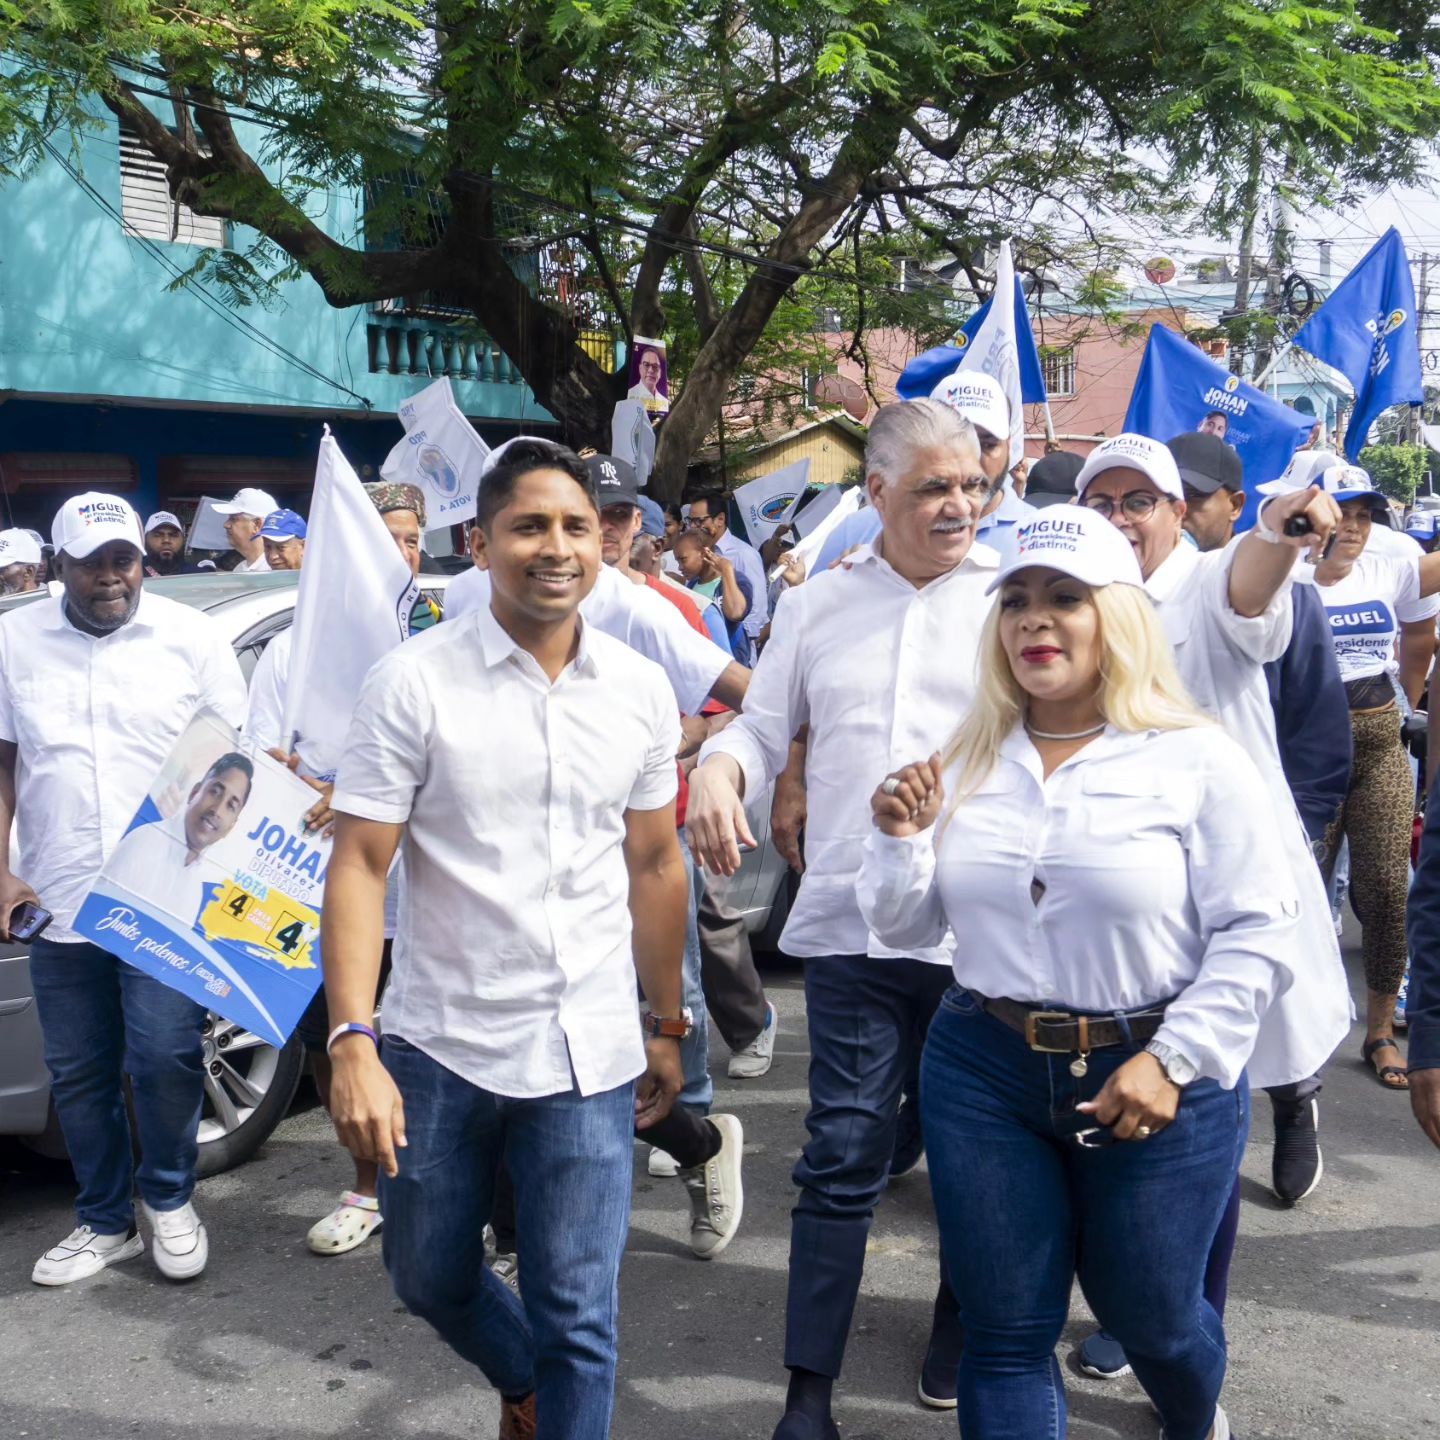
1118	889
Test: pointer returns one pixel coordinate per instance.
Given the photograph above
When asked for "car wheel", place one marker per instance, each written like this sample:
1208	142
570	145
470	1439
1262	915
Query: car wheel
249	1085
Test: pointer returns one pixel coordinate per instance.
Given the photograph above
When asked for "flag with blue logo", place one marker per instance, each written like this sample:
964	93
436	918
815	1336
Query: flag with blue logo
441	454
1369	332
1180	388
926	371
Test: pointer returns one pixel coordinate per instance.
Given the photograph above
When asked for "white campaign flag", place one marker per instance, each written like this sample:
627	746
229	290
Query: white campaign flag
992	349
354	603
814	542
767	502
441	453
807	519
207	529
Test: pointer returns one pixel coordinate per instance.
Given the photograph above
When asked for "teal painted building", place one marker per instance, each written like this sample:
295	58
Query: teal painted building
110	379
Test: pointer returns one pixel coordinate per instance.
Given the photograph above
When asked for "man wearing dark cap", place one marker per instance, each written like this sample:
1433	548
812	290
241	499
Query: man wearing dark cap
1052	480
402	508
1214	481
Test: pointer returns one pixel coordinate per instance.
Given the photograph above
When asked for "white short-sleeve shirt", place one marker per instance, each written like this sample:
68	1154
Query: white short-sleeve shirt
513	960
94	718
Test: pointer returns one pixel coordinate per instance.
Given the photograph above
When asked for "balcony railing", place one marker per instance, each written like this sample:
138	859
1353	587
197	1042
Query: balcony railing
416	345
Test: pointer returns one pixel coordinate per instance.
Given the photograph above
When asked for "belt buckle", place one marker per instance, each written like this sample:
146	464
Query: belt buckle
1033	1018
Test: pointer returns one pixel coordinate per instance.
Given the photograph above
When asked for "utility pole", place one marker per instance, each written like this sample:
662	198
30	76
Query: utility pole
1422	305
1249	204
1280	254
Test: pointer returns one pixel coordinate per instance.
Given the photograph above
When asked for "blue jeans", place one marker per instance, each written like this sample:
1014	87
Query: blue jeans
1023	1209
102	1020
867	1019
569	1157
699	1089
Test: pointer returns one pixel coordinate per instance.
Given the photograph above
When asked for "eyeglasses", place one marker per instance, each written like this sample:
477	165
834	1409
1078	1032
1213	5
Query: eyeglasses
1138	505
697	522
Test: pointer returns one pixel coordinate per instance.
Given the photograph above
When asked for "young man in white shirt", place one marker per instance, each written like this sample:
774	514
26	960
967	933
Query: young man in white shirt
244	515
528	764
878	658
96	685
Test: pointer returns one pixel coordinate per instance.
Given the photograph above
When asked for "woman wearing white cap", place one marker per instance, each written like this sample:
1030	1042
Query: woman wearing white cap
1116	875
1366	594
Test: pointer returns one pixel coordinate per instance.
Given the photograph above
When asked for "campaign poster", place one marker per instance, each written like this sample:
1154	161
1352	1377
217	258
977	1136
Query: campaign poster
649	375
215	889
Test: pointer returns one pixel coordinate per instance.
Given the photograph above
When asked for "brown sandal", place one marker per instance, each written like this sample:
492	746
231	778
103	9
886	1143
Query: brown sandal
1392	1077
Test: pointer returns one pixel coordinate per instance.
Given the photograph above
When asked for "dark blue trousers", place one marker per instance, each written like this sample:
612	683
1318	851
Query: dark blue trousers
868	1020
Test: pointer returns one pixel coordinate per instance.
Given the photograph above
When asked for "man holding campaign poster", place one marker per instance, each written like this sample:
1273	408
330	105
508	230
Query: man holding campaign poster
96	685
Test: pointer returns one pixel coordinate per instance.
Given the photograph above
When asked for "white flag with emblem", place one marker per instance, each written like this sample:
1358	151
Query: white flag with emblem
993	349
441	453
356	595
766	502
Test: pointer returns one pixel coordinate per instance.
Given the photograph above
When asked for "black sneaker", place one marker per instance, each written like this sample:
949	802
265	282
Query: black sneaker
1297	1164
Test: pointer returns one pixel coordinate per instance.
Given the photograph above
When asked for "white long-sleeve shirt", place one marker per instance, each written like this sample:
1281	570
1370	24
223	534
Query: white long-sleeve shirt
882	673
1221	657
1165	879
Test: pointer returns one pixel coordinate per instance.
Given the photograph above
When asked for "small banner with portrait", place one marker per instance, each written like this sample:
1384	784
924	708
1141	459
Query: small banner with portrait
215	887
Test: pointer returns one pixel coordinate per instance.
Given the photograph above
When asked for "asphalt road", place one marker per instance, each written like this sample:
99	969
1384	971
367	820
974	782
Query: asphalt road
1334	1312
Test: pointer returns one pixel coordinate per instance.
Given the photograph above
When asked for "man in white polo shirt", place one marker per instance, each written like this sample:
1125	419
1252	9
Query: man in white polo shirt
528	763
244	515
96	685
878	658
19	562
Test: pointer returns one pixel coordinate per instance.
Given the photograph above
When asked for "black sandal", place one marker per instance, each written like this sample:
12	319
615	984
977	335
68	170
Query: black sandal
1387	1075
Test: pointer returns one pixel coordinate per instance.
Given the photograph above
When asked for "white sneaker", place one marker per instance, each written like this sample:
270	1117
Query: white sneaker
181	1246
1220	1430
717	1196
662	1165
754	1060
82	1252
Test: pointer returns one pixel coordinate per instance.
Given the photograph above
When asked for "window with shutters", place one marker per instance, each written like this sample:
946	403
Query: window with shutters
147	206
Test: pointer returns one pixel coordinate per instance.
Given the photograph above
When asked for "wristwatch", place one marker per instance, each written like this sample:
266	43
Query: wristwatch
1177	1068
655	1025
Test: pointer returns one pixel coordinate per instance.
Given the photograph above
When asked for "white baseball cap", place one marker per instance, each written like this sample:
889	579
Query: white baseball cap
1133	452
1077	542
979	398
498	453
91	520
1304	470
249	502
18	547
163	517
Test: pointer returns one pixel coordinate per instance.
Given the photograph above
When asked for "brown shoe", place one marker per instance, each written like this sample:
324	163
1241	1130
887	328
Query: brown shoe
517	1420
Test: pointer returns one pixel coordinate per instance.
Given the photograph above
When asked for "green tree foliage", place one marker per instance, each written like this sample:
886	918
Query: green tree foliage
716	168
1396	469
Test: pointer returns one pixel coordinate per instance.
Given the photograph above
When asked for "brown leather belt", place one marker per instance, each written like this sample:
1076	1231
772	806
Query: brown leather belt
1058	1032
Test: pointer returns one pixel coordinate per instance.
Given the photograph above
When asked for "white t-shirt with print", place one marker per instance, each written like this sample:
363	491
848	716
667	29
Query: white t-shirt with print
1365	611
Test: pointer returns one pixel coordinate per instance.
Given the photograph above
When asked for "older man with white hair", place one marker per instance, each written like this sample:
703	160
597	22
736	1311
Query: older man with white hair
877	657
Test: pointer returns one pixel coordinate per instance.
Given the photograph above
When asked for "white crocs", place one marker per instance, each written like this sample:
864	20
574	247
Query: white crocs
349	1224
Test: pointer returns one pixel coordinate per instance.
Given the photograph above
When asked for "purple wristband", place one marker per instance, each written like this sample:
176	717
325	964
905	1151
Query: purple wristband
353	1027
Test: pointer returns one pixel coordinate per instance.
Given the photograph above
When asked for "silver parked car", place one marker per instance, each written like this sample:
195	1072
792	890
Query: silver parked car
249	1084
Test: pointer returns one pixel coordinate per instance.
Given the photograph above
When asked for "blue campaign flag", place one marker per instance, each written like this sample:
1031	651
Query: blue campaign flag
1180	388
1369	332
926	371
